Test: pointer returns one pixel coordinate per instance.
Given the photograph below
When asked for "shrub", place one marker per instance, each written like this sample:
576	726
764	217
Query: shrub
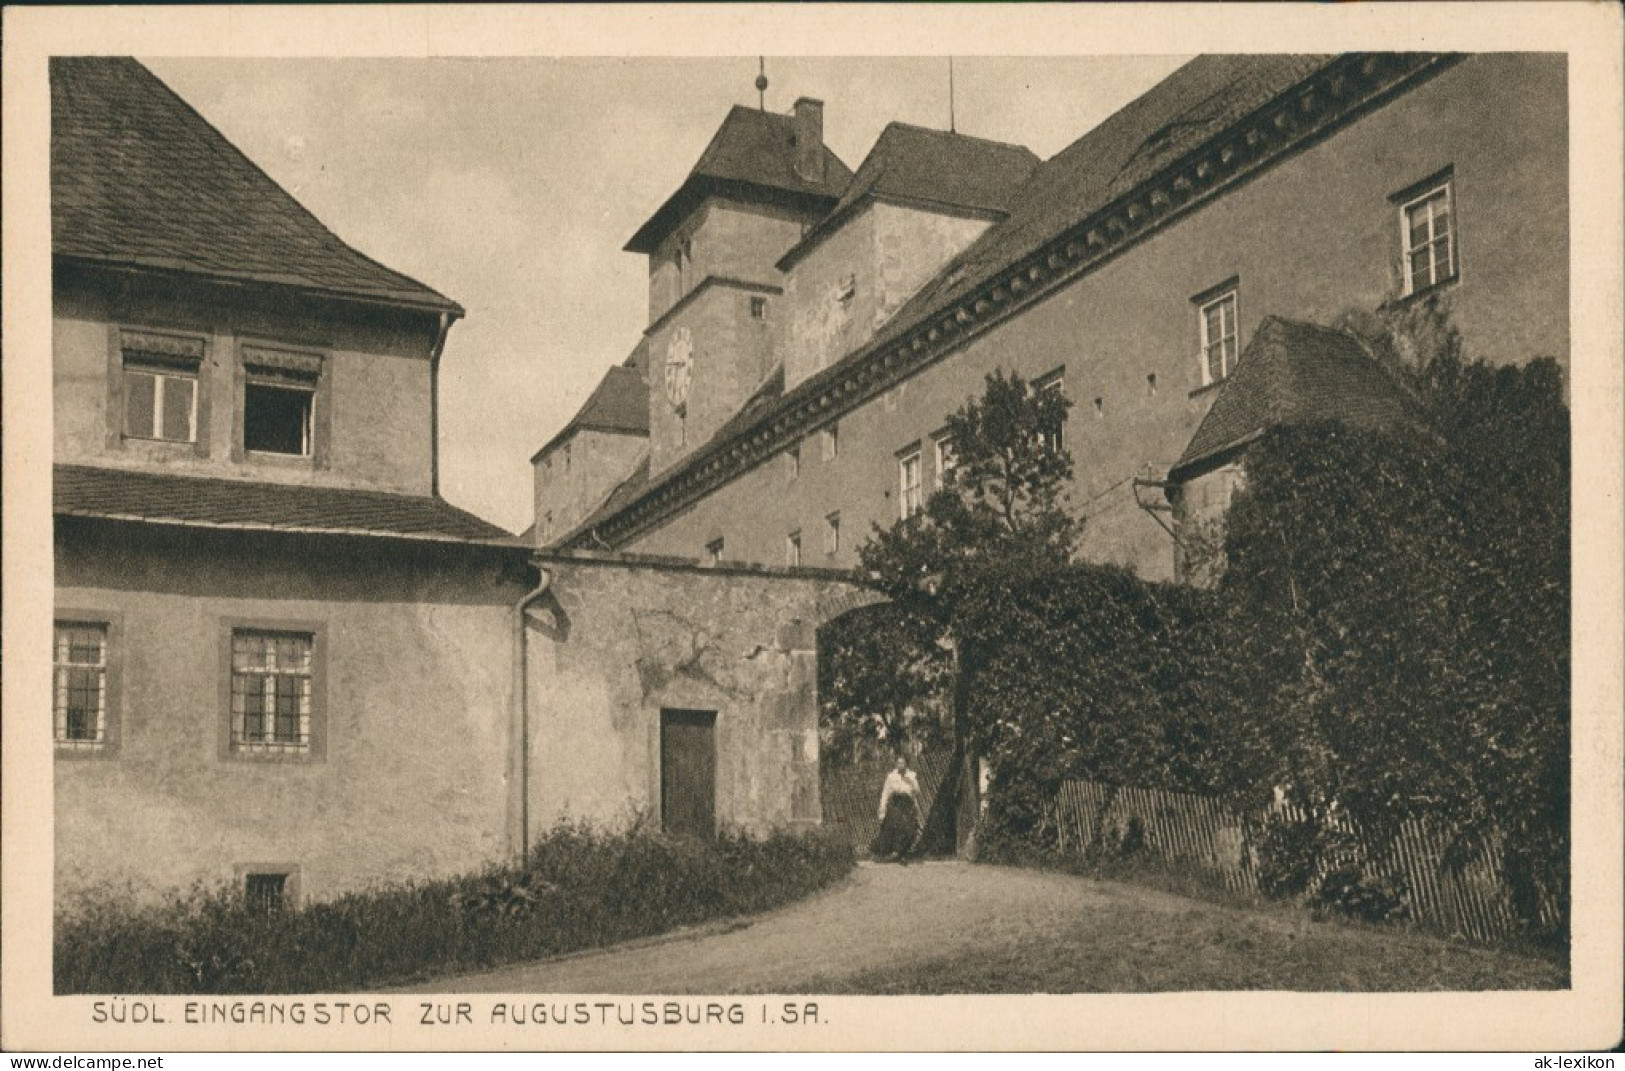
580	888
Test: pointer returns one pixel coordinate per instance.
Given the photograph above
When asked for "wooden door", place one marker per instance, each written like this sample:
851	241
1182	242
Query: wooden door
688	772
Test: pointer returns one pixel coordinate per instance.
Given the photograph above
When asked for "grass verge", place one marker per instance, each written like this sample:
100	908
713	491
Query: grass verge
579	889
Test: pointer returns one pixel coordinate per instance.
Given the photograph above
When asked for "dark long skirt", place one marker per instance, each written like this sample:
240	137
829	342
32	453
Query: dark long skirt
899	830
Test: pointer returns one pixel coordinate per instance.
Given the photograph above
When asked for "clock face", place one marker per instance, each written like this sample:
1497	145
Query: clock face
679	366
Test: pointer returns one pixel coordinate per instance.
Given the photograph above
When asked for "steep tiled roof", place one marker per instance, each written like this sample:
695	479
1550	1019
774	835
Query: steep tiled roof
163	498
933	167
1176	115
140	179
752	149
1293	372
620	403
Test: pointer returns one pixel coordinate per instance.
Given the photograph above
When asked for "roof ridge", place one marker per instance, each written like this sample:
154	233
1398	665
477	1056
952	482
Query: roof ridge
901	125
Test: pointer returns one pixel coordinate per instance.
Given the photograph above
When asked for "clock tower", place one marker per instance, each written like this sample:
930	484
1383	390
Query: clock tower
713	284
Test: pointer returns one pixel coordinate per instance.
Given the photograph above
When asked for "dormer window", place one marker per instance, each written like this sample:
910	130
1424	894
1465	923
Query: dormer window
161	380
280	389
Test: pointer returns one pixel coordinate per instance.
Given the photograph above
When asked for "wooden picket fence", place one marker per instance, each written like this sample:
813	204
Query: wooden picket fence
851	793
1197	832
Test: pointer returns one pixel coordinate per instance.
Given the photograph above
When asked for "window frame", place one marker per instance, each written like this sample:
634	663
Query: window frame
316	749
910	456
792	456
289	872
714	549
287	366
942	446
830	440
112	626
1226	293
174	354
1054	380
792	549
1419	193
832	533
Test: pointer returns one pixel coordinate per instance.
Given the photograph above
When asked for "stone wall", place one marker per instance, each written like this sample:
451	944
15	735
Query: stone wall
614	643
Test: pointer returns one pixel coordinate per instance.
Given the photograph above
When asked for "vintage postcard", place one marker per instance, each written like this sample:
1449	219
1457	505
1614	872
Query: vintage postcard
813	528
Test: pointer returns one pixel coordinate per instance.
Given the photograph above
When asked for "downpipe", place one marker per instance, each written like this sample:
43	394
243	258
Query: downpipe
521	691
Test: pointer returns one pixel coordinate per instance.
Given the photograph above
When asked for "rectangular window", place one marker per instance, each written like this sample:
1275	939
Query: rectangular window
272	704
832	534
160	403
758	308
1429	238
1217	327
909	499
160	385
713	551
79	693
944	448
831	440
1053	438
280	400
792	549
265	894
792	461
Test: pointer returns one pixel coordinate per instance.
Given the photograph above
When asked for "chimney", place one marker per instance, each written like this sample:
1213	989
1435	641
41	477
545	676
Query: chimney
808	126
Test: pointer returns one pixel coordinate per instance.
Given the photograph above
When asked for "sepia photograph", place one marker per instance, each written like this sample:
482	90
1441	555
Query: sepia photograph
560	550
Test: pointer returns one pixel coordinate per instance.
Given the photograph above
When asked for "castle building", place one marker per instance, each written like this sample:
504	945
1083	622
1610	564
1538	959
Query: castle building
810	332
280	657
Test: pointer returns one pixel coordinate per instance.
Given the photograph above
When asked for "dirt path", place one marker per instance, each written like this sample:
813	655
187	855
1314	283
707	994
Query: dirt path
883	915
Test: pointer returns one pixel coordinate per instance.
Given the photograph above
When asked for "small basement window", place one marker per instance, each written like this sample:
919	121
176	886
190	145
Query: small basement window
265	894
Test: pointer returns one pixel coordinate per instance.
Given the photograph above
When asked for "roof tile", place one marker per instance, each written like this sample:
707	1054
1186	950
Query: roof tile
166	498
1293	372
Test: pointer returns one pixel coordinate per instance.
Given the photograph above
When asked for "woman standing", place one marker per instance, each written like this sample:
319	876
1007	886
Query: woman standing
900	816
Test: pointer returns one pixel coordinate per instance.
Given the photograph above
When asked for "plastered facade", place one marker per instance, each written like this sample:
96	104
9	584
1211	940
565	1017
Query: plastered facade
574	476
373	428
1314	235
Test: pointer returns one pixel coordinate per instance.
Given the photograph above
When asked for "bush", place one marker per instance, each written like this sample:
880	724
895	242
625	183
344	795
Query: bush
1389	639
581	888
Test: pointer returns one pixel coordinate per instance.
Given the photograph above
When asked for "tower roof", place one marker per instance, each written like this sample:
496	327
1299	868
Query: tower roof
751	156
140	179
933	169
619	404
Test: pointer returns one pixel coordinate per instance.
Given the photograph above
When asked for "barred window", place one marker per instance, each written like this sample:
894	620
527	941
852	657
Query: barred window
271	691
79	693
265	894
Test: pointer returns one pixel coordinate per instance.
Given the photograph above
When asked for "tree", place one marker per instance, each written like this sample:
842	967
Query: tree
1402	601
881	675
1001	508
